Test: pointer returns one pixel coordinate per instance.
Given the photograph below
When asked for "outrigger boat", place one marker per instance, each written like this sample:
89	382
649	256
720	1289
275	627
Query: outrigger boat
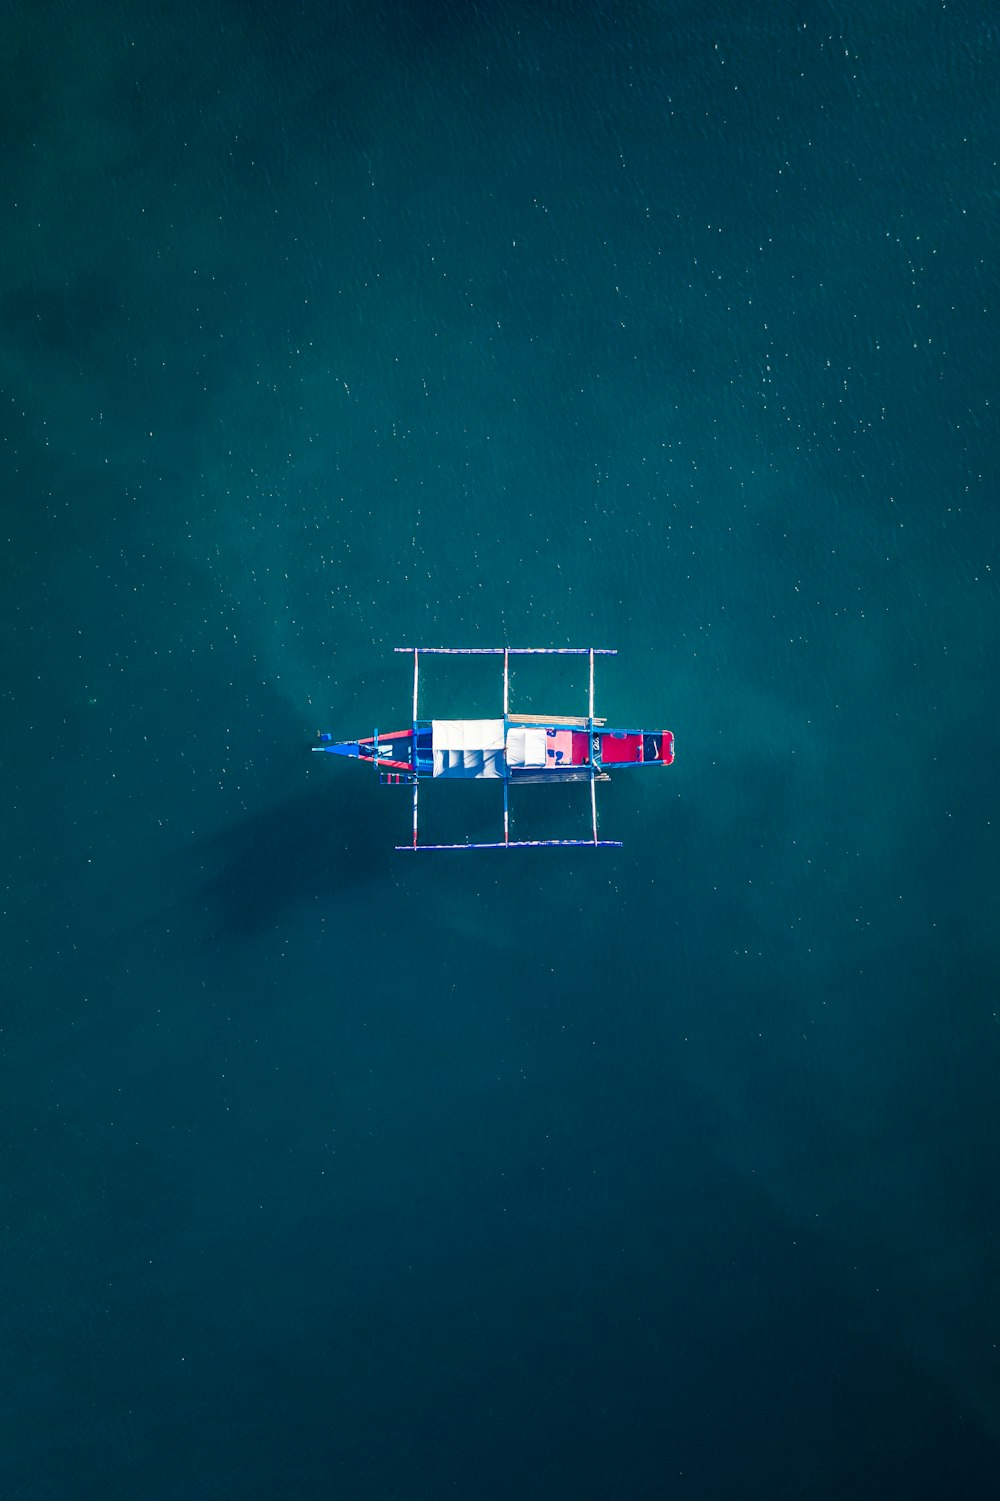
514	749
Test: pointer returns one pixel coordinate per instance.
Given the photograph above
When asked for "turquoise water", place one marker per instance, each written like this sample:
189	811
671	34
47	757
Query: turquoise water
665	1171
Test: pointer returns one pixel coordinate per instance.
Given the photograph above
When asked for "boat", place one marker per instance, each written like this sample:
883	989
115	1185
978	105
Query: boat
514	749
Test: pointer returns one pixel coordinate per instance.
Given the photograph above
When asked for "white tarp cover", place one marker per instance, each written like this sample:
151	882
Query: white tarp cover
467	747
525	747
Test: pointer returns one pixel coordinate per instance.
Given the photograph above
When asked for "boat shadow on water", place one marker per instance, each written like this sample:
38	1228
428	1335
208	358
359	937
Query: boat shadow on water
309	848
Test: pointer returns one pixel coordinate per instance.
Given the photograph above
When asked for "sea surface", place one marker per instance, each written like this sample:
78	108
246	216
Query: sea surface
661	1172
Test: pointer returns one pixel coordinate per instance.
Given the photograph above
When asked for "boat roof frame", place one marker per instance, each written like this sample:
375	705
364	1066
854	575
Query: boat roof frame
507	652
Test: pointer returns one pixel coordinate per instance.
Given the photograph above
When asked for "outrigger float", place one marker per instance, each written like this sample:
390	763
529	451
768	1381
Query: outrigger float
515	749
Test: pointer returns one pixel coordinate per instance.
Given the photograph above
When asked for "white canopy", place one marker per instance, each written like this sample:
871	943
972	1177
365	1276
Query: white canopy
525	747
467	747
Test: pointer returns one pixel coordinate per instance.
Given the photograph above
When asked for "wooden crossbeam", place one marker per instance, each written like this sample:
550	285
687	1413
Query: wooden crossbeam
573	721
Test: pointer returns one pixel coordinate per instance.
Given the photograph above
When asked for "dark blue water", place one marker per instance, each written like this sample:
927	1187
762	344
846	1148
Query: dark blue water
662	1172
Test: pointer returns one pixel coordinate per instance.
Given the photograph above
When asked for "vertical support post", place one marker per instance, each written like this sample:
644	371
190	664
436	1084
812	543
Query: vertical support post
593	768
506	768
413	743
